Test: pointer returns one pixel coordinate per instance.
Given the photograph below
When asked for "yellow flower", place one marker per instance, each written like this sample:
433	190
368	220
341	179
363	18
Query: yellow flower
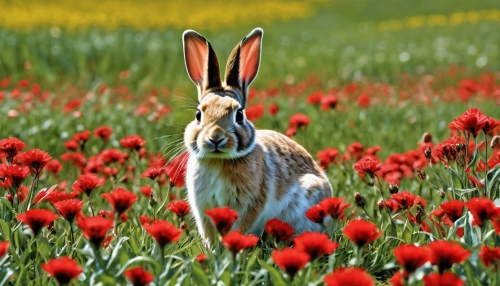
153	14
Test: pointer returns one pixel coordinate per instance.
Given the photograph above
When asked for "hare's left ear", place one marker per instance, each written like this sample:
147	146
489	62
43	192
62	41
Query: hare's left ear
243	64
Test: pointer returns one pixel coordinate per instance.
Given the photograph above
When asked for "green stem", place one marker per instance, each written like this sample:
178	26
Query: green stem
487	166
34	187
72	235
91	208
358	256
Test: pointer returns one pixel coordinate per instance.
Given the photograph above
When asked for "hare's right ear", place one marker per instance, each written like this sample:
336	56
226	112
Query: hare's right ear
201	62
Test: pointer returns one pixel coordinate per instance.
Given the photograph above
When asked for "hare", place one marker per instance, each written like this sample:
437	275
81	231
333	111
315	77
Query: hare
261	174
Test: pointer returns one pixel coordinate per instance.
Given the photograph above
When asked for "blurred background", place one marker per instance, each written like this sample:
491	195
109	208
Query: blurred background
89	41
393	66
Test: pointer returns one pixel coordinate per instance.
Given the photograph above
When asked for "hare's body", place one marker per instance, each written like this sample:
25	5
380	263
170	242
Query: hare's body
277	179
259	174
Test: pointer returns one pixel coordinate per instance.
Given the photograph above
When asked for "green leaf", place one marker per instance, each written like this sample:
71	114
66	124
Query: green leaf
475	156
276	277
470	235
115	251
225	277
4	227
199	275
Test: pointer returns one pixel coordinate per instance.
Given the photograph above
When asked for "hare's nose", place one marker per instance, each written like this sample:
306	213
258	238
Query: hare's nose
216	141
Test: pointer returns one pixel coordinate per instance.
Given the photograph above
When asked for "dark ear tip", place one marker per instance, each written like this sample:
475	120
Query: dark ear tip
192	34
257	31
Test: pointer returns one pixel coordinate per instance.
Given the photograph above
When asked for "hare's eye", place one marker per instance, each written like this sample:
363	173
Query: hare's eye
198	115
239	116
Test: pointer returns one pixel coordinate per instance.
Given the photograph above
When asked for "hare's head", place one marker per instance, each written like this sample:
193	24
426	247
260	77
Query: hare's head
220	128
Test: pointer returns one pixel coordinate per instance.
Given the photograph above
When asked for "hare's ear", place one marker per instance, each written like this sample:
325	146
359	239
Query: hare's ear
243	64
201	62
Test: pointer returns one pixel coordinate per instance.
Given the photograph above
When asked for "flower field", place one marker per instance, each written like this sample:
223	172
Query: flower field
400	107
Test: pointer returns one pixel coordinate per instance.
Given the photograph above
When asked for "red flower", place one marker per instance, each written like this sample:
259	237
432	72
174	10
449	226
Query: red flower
405	199
35	159
490	125
391	205
411	257
222	218
448	279
13	175
367	166
450	148
176	169
11	147
397	279
315	97
372	151
179	208
355	149
4	246
334	207
113	156
483	209
63	269
316	214
273	109
138	276
361	232
315	244
363	100
94	228
163	232
329	102
290	260
291	131
132	142
145	220
255	112
36	219
86	183
489	256
103	132
236	242
280	230
81	137
120	199
445	254
152	173
69	208
496	225
201	258
327	156
348	276
299	120
54	166
454	209
146	190
471	121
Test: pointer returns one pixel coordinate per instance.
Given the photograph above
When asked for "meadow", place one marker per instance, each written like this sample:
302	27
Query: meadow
398	103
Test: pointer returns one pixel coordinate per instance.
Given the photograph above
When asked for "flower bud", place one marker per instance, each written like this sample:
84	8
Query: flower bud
441	193
183	226
360	200
152	200
427	137
428	153
393	188
495	141
380	204
421	175
420	214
